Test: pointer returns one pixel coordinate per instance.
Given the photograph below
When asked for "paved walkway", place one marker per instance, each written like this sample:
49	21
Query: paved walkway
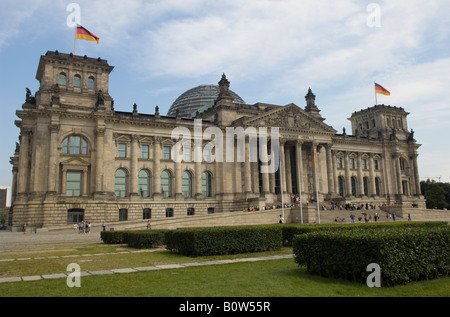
15	241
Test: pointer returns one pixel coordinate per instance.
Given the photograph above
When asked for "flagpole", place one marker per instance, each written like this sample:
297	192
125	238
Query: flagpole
299	185
75	42
376	102
315	181
281	183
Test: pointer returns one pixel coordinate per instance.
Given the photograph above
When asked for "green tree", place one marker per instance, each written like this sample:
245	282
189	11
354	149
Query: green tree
435	196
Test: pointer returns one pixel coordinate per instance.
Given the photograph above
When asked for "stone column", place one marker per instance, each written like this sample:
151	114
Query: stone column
282	167
299	163
330	170
265	176
84	188
24	161
372	187
398	173
348	181
288	170
53	159
416	175
247	169
100	133
63	181
360	175
156	168
198	158
335	173
178	181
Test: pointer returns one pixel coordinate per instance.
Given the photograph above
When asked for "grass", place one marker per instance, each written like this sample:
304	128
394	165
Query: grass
274	278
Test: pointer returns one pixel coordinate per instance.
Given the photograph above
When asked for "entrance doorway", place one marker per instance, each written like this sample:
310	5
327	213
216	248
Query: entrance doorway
75	216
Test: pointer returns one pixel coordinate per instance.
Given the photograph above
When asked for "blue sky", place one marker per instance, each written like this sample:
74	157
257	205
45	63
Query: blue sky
270	50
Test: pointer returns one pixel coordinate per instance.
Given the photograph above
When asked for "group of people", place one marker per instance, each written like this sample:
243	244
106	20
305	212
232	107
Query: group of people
83	227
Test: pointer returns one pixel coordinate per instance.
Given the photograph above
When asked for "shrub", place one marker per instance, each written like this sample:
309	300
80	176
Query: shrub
146	238
291	230
224	240
404	254
114	237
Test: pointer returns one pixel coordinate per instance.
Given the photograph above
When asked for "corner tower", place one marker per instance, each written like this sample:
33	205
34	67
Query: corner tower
72	80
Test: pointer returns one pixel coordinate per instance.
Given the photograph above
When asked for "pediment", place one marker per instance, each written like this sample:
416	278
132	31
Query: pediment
75	161
289	117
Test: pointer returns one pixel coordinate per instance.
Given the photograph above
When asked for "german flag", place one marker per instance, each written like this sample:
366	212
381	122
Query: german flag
381	90
84	34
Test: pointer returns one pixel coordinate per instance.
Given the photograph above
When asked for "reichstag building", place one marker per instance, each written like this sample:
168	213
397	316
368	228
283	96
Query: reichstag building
78	158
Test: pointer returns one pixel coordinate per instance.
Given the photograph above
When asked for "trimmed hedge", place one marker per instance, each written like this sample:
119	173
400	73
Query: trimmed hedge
291	230
404	254
135	238
114	237
224	240
146	239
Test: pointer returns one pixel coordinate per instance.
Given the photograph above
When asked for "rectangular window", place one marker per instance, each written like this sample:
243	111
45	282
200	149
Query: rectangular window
123	214
167	152
207	155
169	212
145	151
187	154
339	162
73	183
146	213
122	150
190	211
210	210
352	163
375	162
364	163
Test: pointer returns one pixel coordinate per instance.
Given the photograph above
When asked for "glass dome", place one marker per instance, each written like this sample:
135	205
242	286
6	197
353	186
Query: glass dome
199	97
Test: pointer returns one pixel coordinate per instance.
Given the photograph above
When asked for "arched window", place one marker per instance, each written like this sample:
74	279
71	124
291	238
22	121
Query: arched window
186	184
166	184
62	79
121	183
91	83
353	180
77	81
75	144
341	186
206	184
144	183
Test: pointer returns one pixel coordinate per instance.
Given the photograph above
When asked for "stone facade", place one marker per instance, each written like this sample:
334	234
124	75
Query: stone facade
78	158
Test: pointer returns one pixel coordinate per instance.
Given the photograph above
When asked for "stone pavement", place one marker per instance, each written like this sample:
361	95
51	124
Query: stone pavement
15	241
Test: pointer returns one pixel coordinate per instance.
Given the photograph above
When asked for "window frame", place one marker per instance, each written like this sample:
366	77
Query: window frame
141	177
122	150
72	147
166	184
77	80
71	191
186	184
207	184
121	193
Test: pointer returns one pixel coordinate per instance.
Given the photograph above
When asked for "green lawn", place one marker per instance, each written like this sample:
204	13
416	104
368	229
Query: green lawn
274	278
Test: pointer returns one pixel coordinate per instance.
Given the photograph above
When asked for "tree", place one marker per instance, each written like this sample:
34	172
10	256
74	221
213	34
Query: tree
435	197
